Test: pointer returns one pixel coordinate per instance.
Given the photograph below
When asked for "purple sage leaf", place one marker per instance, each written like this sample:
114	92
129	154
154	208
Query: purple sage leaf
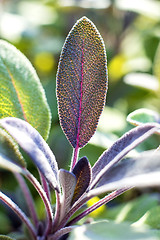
81	82
34	145
120	148
82	171
142	171
68	183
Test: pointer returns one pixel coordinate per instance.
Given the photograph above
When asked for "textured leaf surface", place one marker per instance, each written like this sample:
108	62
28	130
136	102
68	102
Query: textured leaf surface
21	93
68	184
142	171
34	145
82	171
81	82
9	149
120	148
103	230
146	162
143	115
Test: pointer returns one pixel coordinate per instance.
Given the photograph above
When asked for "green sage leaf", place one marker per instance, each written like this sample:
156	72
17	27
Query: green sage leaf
21	93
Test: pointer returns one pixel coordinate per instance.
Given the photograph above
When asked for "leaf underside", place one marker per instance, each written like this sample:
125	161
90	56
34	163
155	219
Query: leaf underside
21	93
81	82
34	145
68	183
120	148
142	171
82	171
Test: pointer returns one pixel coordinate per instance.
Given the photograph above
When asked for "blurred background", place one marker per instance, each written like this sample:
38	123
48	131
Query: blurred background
131	33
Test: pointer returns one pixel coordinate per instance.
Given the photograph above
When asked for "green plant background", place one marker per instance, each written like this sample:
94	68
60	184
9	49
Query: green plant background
131	33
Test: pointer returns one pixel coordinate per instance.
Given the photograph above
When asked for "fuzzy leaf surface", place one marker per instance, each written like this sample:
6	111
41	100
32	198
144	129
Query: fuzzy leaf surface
82	171
68	183
142	171
120	148
34	145
81	82
9	149
21	93
143	115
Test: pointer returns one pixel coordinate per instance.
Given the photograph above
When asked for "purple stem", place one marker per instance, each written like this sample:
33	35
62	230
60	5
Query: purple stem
72	211
60	233
45	186
75	157
20	214
57	212
101	202
44	197
28	198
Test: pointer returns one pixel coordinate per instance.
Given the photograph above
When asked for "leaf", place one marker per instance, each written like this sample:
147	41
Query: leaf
82	171
142	80
131	167
152	217
81	82
132	211
143	115
142	171
35	146
8	164
156	66
103	230
21	93
3	237
148	8
9	149
120	148
68	182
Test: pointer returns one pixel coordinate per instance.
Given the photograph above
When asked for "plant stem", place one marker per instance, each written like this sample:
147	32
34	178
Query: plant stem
101	202
61	232
28	198
20	213
57	212
45	186
74	158
72	211
44	197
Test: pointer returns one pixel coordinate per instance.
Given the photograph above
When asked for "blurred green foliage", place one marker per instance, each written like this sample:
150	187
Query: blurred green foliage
131	32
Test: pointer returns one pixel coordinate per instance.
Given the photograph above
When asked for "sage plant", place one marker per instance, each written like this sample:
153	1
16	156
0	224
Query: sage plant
25	121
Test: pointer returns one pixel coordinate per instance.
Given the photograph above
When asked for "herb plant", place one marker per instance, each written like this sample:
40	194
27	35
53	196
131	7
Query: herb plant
25	121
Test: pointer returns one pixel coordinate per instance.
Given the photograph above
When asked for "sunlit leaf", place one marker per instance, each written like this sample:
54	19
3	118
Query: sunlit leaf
156	66
35	146
148	8
104	229
82	171
120	148
21	93
143	115
9	149
142	171
3	237
81	82
142	80
68	182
